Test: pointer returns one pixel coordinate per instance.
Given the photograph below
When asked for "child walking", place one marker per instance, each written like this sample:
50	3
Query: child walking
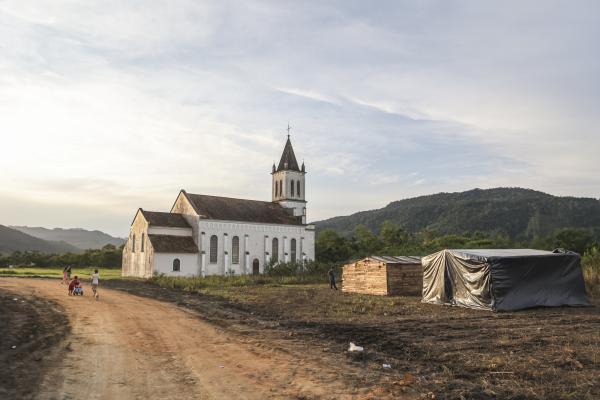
95	279
65	280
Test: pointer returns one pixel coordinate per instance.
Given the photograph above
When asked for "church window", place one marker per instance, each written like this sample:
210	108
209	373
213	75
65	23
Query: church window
276	189
275	250
293	249
176	265
280	188
142	244
214	244
292	188
235	250
133	244
298	187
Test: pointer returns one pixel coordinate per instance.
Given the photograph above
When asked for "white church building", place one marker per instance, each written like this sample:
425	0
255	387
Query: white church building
211	235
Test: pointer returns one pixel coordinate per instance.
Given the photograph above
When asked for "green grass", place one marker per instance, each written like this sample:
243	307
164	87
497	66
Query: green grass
50	272
195	284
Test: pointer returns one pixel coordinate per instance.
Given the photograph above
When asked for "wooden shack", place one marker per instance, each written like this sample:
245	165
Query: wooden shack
383	275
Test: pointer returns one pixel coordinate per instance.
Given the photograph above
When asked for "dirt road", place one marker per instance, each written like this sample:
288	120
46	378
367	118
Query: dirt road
129	347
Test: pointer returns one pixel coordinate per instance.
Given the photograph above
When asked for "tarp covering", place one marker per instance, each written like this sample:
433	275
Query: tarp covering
503	279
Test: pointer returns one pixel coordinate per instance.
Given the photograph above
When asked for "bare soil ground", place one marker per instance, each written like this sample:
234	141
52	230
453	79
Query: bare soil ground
132	347
30	329
434	351
144	341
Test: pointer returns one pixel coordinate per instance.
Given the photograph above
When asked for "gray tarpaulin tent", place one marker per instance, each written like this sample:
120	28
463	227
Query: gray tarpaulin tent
503	279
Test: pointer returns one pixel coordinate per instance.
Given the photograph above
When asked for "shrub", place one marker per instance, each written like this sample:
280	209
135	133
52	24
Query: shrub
591	271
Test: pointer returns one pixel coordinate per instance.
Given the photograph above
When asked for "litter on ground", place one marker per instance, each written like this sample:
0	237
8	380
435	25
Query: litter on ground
354	347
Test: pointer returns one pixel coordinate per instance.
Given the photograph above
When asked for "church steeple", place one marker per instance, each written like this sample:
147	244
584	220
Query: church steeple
288	186
288	158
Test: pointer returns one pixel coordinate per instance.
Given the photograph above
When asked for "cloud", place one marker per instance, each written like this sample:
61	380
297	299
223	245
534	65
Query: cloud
110	106
309	94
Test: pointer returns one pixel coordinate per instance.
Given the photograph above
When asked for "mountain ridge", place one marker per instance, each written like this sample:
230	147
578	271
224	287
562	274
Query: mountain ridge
517	212
82	239
13	240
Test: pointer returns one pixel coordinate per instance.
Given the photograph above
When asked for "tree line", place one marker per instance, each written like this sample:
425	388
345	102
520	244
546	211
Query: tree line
332	247
393	240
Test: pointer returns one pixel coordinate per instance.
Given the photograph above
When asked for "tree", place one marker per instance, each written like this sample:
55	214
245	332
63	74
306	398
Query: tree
331	247
366	241
392	235
578	240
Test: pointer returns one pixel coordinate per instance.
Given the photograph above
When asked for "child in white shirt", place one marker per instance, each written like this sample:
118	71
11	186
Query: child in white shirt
95	280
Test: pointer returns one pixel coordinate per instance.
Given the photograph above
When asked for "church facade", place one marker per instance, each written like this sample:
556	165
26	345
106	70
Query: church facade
211	235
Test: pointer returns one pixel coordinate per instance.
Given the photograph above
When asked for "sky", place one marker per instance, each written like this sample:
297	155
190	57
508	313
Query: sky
108	106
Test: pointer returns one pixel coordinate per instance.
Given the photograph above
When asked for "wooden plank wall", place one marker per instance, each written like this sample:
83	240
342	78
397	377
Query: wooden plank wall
405	279
365	276
375	277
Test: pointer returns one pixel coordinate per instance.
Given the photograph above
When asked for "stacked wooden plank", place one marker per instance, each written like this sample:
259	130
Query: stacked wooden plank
404	278
383	276
365	276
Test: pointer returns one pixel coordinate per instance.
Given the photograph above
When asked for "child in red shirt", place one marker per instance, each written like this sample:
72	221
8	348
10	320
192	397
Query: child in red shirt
74	283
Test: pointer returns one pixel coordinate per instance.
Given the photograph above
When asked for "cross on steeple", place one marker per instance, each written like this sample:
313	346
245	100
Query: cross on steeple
288	129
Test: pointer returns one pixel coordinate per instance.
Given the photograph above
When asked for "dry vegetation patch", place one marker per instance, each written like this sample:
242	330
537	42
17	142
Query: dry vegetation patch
446	352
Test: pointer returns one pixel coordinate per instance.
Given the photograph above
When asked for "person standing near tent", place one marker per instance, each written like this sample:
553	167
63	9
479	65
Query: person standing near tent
331	274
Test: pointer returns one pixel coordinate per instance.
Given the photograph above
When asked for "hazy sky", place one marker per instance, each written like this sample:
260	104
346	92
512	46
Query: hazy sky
107	106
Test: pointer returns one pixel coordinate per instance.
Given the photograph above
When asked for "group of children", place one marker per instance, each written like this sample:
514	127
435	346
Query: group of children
75	284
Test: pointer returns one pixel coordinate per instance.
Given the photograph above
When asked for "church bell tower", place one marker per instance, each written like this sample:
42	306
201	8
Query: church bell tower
288	182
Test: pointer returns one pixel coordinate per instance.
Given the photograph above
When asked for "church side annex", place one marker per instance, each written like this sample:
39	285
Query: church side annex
212	235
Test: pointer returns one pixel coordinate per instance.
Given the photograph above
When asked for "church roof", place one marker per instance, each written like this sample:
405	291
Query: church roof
171	220
288	158
173	244
229	209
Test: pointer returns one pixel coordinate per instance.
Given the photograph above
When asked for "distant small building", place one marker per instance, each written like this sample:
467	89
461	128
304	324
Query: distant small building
383	275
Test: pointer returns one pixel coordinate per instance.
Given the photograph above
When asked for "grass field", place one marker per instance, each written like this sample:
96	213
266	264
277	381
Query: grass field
83	272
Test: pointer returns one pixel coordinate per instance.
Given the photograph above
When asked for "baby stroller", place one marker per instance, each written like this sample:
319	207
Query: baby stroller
78	291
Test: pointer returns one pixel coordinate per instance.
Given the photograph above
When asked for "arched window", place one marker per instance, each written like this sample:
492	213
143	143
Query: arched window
133	244
275	250
176	265
293	249
235	250
298	187
292	187
276	189
280	188
214	245
142	244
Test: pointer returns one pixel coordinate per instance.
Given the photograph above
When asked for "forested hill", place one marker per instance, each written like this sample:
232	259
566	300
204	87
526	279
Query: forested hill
518	213
13	240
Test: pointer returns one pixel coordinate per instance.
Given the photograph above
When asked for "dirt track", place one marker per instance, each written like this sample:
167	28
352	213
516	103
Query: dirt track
129	347
291	342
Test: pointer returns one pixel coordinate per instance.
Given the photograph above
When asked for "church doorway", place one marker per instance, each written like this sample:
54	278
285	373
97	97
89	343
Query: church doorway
255	267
